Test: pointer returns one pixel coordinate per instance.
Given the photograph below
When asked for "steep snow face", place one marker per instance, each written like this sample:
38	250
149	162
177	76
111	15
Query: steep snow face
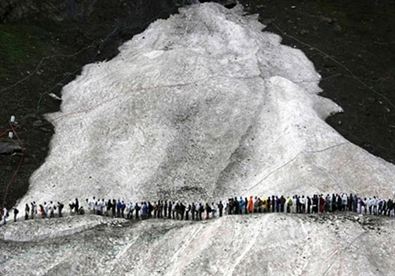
265	244
201	105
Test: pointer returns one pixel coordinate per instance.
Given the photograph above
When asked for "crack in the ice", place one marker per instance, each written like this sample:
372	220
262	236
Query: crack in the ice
152	88
293	159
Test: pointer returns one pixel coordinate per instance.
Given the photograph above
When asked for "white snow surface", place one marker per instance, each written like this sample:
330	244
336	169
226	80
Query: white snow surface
203	105
263	244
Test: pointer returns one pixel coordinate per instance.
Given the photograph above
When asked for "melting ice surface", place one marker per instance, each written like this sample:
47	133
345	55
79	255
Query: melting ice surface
202	105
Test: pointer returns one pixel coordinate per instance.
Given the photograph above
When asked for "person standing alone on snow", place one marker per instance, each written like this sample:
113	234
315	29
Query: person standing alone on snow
16	211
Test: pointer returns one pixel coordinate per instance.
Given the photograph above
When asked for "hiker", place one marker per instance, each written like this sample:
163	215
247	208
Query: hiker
390	207
302	201
108	208
220	208
289	204
242	205
250	205
256	204
113	207
200	211
188	209
76	206
155	208
208	210
16	211
328	205
123	206
137	209
182	210
165	207
144	210
173	212
177	211
359	206
27	211
129	208
102	206
230	206
344	202
71	206
150	209
193	211
42	211
51	209
160	209
33	209
60	208
245	205
119	208
169	209
91	205
4	215
46	209
322	204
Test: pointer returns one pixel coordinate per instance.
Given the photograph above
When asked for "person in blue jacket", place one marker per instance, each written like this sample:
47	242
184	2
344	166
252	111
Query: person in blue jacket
241	205
144	213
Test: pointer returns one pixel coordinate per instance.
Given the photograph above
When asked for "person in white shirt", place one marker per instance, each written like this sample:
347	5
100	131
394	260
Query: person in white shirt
92	205
3	216
302	202
46	209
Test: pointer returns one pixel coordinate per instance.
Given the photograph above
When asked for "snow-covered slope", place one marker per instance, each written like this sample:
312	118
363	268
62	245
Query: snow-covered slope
201	105
270	244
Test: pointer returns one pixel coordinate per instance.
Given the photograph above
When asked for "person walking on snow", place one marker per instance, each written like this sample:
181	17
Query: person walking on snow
60	208
250	205
16	211
4	215
50	209
220	208
46	208
33	209
27	211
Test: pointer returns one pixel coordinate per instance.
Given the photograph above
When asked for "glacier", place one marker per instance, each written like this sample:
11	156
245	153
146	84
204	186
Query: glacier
201	106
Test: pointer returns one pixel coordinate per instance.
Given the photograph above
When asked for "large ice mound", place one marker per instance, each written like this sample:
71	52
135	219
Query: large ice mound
201	105
265	244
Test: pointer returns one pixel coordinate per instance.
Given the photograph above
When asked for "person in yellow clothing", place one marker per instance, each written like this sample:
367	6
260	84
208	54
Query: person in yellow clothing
263	200
289	204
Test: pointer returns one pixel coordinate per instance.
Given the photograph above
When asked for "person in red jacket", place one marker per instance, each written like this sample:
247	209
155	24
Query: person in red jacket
322	204
250	205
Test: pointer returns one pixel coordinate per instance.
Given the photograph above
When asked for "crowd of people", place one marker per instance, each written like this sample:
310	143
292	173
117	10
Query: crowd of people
198	211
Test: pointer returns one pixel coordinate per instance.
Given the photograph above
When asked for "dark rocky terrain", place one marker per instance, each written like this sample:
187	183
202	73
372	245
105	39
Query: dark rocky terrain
44	44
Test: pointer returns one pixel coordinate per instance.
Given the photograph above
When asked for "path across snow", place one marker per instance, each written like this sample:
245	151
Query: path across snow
268	244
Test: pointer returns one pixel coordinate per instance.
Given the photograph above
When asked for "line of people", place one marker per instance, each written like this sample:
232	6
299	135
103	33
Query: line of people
199	211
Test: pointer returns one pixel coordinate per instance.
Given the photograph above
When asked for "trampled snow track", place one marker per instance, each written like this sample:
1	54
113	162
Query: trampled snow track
269	244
